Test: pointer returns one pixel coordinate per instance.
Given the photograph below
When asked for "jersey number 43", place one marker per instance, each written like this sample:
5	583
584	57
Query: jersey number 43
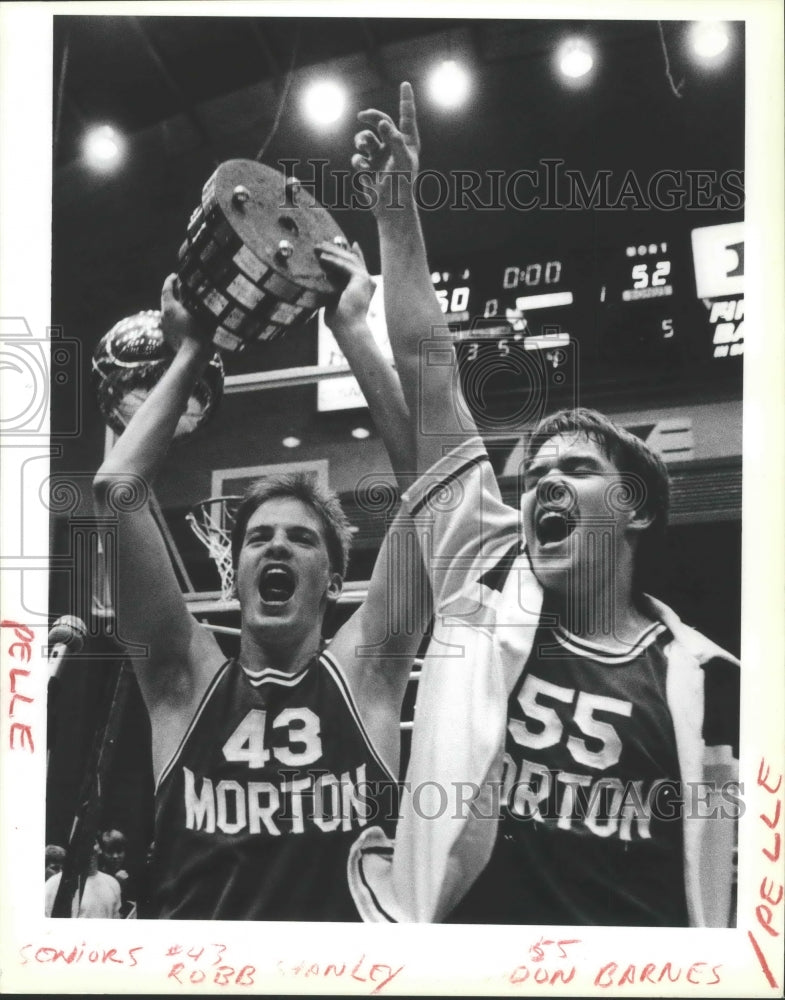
300	745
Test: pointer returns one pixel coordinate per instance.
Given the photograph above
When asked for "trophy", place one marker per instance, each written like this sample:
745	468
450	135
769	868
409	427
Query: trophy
248	266
247	270
131	358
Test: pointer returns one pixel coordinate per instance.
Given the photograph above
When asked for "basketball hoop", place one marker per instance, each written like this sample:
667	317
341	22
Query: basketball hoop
211	521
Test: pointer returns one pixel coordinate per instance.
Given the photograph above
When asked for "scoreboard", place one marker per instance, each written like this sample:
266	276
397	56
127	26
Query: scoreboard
664	299
668	308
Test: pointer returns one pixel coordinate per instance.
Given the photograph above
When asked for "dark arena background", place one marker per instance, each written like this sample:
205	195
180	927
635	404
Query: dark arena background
586	239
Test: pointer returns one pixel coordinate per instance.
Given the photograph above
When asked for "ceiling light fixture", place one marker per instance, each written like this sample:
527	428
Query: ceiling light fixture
575	58
709	40
103	147
324	102
449	84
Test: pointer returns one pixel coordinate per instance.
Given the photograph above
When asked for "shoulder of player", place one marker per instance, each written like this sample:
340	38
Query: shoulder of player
443	480
689	639
707	653
376	677
364	653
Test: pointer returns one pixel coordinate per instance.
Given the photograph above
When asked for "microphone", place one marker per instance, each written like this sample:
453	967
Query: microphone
66	637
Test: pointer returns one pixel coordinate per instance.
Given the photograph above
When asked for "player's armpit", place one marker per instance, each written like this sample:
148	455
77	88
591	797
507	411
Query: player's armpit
377	684
377	646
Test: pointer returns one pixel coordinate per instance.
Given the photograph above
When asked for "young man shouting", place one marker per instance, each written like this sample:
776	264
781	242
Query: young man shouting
267	766
570	721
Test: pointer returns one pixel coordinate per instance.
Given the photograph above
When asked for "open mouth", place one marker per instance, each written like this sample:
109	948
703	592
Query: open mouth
553	527
277	584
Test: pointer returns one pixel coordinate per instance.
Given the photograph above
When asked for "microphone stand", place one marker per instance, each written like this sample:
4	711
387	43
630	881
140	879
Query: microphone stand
84	830
68	634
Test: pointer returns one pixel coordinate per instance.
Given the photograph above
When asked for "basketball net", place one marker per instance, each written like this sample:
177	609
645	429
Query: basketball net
211	521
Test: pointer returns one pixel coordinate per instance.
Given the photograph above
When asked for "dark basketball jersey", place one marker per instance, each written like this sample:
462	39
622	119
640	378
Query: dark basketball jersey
597	748
591	829
257	809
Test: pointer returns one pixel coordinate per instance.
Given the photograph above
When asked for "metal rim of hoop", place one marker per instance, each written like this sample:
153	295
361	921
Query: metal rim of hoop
213	528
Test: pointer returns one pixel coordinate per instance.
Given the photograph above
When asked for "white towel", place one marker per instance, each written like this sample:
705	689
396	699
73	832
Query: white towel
445	835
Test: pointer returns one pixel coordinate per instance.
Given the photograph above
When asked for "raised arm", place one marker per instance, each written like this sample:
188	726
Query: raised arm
466	532
387	161
375	375
377	645
181	657
469	521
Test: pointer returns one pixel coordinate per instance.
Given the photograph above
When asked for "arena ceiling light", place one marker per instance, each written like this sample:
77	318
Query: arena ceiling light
361	433
449	84
709	40
575	59
324	102
103	147
291	441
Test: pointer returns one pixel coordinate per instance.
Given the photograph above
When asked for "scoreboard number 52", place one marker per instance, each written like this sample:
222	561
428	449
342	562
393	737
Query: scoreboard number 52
640	274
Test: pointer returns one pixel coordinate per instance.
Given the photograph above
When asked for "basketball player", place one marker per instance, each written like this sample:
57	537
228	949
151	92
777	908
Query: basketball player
267	766
589	732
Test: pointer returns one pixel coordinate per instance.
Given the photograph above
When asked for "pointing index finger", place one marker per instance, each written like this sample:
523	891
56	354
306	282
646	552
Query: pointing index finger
407	114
